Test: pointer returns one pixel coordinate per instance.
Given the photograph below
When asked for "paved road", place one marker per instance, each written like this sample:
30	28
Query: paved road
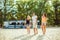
21	34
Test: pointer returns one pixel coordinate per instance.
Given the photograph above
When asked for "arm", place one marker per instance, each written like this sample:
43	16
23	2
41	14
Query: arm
36	18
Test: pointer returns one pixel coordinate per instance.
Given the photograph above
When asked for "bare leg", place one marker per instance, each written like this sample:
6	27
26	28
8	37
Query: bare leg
35	31
28	30
44	29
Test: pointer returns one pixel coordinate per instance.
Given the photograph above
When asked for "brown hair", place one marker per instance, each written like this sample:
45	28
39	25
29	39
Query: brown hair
45	14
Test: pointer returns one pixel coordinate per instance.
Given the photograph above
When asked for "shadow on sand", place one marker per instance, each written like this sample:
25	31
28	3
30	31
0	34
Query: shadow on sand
19	36
28	37
24	37
40	37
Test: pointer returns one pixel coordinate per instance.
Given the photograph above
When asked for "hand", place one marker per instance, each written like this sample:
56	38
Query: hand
41	26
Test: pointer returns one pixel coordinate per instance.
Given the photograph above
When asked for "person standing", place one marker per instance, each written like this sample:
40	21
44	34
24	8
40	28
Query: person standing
34	22
28	23
43	23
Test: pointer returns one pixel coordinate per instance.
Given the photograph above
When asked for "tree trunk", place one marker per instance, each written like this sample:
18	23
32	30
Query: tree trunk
5	10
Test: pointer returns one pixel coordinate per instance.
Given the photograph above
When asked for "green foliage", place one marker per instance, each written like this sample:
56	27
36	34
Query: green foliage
26	8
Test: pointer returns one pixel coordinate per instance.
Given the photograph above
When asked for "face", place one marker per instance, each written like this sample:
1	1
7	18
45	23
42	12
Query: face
33	14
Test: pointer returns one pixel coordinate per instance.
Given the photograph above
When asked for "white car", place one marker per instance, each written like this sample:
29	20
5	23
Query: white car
14	24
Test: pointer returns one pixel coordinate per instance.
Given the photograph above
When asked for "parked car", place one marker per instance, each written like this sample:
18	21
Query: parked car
17	24
14	24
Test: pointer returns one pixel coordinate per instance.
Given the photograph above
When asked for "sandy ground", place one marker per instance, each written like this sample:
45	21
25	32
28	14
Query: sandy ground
21	34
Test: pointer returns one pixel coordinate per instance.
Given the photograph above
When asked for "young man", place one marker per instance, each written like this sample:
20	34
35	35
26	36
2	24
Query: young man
43	23
28	23
34	22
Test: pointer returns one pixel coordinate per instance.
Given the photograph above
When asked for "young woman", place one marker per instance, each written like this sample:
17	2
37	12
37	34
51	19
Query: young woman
43	23
28	23
34	22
